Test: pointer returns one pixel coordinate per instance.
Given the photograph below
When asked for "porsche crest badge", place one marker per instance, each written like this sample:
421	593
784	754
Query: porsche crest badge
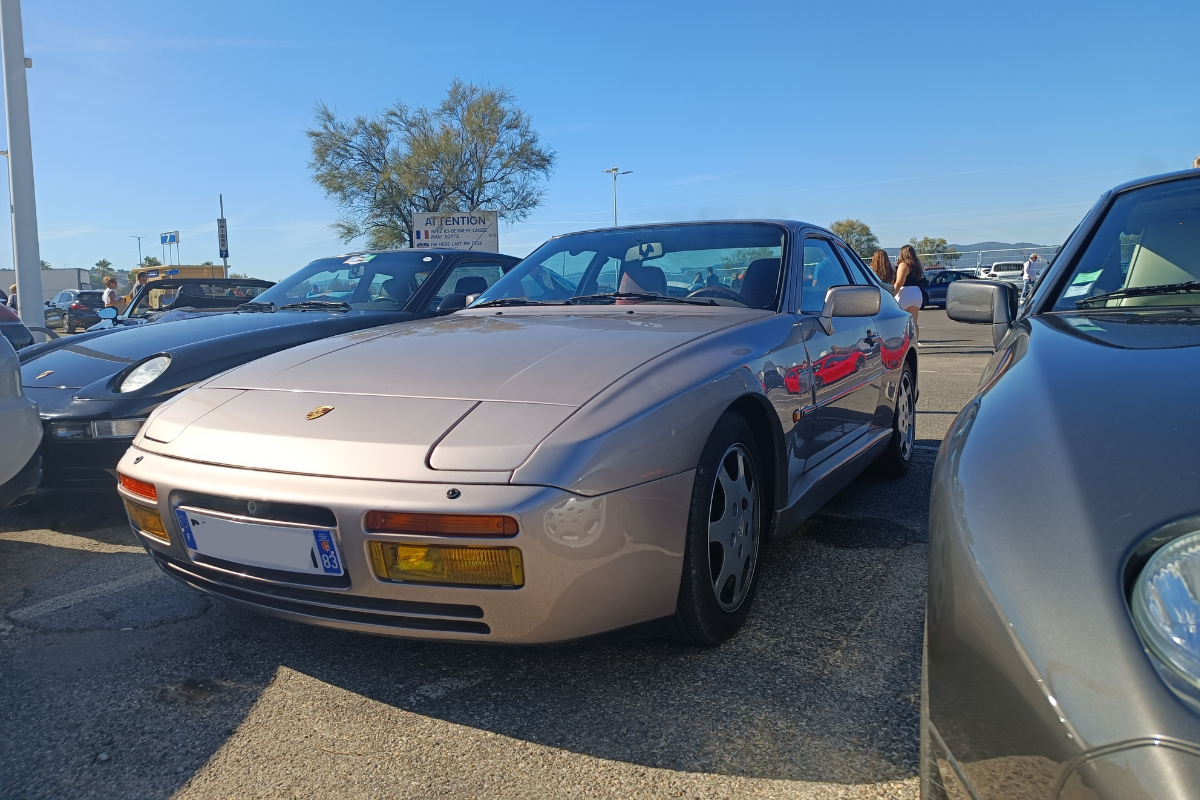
44	374
318	412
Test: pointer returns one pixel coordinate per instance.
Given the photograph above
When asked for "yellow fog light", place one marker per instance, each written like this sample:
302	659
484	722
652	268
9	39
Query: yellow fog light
146	519
470	566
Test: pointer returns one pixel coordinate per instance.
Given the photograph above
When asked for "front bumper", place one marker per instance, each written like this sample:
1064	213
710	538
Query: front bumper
619	567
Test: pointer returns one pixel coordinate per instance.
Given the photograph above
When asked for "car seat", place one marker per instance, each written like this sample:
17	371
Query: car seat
471	284
639	278
762	278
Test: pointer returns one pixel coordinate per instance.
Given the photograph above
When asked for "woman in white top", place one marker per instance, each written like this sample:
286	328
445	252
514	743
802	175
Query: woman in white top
908	282
110	296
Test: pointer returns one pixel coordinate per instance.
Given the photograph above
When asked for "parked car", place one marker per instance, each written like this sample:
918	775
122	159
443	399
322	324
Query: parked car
20	464
1008	271
13	330
1062	644
72	309
95	389
549	464
170	299
939	281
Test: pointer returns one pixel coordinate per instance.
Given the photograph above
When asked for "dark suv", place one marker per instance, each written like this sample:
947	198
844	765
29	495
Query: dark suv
74	308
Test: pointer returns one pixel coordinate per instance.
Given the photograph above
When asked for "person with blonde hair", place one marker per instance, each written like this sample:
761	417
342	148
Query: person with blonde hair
1196	162
881	265
909	275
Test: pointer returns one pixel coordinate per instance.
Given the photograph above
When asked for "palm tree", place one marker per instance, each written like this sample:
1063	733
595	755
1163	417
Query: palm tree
45	264
103	264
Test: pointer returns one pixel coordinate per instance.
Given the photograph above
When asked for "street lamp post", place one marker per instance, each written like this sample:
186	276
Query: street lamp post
27	259
615	172
139	238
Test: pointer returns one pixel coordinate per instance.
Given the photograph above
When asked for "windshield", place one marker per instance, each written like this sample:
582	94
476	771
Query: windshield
198	295
730	264
1146	247
365	282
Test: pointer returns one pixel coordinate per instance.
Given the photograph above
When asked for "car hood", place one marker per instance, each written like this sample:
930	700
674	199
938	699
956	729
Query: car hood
467	396
1092	424
80	361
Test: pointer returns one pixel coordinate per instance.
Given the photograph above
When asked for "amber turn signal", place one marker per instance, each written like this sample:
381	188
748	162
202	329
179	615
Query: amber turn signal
140	488
440	524
146	519
449	565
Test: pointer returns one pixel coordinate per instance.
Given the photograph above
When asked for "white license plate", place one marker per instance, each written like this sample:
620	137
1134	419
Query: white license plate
285	547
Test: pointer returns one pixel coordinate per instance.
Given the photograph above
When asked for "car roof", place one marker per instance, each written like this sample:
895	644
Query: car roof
786	223
444	251
1150	180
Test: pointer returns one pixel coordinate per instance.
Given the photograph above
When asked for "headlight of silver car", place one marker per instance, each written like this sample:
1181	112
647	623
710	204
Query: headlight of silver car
1166	606
144	373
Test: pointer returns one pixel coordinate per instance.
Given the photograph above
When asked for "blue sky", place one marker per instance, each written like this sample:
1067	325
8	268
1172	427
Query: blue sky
962	120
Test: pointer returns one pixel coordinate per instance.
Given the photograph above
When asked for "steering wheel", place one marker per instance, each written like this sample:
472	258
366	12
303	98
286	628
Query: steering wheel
718	291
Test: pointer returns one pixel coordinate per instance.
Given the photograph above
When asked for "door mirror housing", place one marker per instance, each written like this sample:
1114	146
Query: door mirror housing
849	301
108	312
452	302
983	303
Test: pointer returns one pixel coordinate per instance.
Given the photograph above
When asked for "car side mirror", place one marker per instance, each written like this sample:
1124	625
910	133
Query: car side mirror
849	301
455	301
983	303
108	312
47	304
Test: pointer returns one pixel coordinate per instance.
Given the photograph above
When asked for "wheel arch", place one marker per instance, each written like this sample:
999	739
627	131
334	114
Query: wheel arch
910	358
768	437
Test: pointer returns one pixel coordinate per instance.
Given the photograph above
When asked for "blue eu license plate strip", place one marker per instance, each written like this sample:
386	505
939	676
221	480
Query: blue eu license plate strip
186	527
327	552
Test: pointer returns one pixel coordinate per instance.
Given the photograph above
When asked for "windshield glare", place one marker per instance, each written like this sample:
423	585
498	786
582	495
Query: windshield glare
198	295
1150	237
365	282
734	264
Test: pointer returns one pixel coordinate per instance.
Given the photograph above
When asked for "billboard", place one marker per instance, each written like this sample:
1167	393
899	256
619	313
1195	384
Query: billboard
458	230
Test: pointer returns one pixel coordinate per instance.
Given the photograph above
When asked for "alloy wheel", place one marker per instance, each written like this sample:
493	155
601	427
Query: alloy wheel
905	414
733	528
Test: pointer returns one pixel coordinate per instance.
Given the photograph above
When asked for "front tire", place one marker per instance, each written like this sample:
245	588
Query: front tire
726	526
896	459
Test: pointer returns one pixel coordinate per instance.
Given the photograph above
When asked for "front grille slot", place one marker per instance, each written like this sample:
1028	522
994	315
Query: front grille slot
329	605
264	511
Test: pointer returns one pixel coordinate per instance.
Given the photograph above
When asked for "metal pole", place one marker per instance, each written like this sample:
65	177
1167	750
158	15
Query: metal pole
225	261
27	257
614	197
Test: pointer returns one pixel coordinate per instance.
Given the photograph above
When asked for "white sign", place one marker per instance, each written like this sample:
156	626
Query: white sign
458	230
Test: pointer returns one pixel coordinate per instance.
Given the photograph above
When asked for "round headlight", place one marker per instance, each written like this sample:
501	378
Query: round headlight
1166	605
144	373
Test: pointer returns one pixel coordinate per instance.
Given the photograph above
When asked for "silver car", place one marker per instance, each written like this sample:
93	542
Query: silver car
1063	625
582	450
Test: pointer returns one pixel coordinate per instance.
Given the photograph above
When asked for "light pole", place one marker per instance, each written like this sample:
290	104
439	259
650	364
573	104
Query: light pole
26	255
139	238
615	172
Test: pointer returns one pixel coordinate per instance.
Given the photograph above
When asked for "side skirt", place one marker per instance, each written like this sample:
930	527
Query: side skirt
827	478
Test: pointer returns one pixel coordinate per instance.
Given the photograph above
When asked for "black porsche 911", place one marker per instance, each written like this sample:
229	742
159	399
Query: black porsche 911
95	389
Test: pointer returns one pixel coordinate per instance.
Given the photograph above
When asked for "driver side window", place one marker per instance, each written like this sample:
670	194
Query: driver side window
822	270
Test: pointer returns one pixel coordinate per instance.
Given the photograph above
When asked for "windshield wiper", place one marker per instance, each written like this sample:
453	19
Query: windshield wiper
1186	287
254	305
585	299
317	305
513	301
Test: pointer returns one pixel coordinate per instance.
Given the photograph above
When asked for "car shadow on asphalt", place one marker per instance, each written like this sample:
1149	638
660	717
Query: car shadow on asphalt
822	684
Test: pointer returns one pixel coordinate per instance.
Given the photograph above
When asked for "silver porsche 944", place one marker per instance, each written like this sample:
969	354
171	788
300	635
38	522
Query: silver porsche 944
600	442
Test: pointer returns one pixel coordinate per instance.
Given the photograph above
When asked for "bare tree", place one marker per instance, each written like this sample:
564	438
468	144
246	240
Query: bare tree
476	151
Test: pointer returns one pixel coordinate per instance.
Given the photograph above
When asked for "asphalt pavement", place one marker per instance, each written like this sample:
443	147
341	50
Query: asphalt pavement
115	681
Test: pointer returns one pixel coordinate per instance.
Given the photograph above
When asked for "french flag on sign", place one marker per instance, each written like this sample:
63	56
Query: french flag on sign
422	235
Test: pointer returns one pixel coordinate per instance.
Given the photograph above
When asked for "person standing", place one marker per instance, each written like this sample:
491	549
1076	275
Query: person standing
909	275
12	297
140	281
881	265
1030	272
712	279
110	296
1196	162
